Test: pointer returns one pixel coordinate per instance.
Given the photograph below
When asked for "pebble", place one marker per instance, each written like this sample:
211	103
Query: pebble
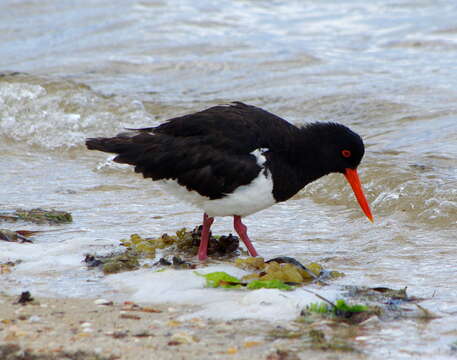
86	325
34	319
249	344
103	302
183	338
130	316
232	350
174	323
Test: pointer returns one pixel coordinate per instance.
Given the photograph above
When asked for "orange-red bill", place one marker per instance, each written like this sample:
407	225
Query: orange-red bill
353	178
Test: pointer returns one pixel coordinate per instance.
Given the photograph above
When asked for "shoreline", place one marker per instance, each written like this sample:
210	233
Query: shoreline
48	328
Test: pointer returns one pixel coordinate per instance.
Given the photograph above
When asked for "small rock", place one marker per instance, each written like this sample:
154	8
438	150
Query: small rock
173	343
35	319
232	350
24	298
149	309
103	302
183	338
143	333
282	355
130	316
119	334
83	334
249	344
174	323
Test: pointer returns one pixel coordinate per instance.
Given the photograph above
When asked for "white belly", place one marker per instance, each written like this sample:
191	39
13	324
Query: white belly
245	200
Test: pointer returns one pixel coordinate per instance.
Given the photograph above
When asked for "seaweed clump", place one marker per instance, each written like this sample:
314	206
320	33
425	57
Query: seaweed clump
123	262
341	310
285	269
189	241
184	242
224	280
114	263
15	352
37	216
137	248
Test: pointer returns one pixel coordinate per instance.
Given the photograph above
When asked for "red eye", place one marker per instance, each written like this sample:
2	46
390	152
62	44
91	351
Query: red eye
346	153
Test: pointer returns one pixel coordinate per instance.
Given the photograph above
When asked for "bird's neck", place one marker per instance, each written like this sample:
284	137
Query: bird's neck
309	153
301	163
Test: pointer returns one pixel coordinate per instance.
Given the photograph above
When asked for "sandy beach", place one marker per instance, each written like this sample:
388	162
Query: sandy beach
80	329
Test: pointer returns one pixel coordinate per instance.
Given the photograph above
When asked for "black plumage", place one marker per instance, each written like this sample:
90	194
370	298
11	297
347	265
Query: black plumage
210	151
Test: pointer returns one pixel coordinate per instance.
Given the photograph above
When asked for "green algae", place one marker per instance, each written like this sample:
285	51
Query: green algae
287	270
37	216
121	262
220	279
41	216
15	352
340	311
320	308
340	308
224	280
268	284
114	262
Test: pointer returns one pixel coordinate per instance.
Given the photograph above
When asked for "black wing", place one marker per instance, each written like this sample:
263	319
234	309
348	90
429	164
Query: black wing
208	151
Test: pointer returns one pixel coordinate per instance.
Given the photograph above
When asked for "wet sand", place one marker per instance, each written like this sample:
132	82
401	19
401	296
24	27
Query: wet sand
81	329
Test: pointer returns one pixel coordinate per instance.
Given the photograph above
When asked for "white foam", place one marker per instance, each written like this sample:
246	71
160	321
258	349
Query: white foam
42	257
186	287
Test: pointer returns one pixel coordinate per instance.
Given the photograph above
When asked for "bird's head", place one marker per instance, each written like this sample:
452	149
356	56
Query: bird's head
341	151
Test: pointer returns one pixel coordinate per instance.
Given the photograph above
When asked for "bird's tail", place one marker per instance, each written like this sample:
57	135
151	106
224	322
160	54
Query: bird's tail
130	146
115	145
118	144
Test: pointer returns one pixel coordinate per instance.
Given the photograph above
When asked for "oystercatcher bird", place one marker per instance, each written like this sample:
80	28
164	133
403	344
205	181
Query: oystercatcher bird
237	159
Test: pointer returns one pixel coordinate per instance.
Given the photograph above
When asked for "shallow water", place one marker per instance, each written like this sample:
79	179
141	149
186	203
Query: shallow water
384	68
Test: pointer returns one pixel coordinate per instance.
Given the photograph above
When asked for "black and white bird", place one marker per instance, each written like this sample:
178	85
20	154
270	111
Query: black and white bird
237	159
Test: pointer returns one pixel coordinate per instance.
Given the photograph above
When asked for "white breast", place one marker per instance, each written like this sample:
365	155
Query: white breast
245	200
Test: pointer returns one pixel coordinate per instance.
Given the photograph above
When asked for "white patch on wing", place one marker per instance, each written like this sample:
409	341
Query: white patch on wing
258	153
245	200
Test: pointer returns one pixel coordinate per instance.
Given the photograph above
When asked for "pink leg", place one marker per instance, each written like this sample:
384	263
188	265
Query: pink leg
202	250
241	229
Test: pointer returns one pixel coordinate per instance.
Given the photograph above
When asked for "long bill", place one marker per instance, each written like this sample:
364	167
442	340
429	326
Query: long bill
353	178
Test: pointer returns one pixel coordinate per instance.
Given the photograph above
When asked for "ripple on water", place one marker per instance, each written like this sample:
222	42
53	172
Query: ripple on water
58	114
